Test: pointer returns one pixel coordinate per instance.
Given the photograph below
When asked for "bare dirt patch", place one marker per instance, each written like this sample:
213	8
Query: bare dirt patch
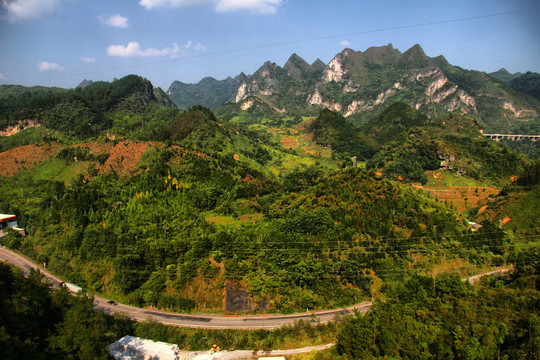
25	157
123	156
463	197
22	125
290	142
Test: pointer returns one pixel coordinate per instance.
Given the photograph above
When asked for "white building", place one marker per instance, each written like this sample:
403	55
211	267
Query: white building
9	221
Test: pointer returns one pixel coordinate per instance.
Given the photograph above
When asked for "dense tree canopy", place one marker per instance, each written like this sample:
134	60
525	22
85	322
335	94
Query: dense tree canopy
445	318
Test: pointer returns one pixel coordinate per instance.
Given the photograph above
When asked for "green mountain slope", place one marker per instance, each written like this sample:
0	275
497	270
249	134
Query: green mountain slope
82	112
394	120
186	225
208	92
333	130
153	236
527	83
456	145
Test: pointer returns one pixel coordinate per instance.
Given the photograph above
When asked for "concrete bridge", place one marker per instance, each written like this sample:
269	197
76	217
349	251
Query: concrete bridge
513	137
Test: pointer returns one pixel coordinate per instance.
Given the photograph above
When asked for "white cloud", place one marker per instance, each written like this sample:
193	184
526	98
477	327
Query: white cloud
20	10
345	43
88	59
117	20
254	6
133	49
47	66
197	46
149	4
2	77
200	47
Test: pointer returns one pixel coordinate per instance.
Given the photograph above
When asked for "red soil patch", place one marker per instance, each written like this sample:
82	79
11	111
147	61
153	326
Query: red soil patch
25	157
463	197
250	179
290	143
308	138
482	209
125	155
252	218
122	157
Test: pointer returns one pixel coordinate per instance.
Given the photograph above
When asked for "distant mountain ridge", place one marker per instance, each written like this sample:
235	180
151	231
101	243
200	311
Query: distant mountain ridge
84	84
528	83
504	75
208	92
360	84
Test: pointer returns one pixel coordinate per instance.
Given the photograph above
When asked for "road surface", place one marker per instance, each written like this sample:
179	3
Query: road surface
204	321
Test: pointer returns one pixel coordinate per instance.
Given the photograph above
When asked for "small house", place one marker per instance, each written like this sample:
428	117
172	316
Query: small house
9	221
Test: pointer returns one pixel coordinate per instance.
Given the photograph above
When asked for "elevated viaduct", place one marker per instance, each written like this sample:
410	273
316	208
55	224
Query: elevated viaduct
513	137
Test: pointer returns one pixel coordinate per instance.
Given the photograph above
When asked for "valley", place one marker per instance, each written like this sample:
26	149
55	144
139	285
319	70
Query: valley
274	208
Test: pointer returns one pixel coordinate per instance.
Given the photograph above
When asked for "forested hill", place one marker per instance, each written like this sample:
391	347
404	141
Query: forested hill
156	237
266	220
455	144
82	112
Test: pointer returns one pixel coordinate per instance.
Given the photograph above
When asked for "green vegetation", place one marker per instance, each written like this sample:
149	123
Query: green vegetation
208	92
457	144
155	206
424	317
528	83
79	113
526	146
332	129
172	223
504	76
394	120
145	239
40	322
444	318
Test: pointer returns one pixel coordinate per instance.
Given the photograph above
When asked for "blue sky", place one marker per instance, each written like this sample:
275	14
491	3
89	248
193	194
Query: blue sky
62	42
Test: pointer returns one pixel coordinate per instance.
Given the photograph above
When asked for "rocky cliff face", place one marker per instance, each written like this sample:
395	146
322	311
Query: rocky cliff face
359	84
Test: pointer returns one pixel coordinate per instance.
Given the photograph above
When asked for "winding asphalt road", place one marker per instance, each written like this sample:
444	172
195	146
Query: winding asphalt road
205	321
